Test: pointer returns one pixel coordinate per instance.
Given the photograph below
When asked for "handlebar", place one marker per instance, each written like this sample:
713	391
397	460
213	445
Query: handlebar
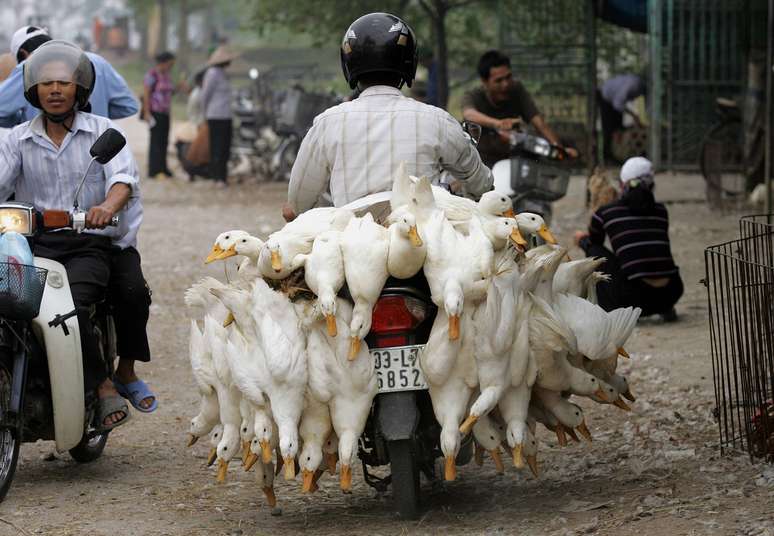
60	219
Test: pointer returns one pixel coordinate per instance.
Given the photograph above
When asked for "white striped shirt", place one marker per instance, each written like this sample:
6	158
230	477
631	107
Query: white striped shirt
356	147
47	176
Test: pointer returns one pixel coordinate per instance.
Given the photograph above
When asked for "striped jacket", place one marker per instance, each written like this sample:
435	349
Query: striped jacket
640	242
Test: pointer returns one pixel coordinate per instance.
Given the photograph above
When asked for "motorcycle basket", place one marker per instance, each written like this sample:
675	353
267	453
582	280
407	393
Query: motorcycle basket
21	290
539	180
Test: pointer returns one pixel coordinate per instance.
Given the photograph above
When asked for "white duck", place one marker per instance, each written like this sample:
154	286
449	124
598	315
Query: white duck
228	397
324	273
296	238
569	415
284	345
314	429
407	251
347	386
206	380
223	242
533	224
250	247
365	246
579	278
450	371
489	437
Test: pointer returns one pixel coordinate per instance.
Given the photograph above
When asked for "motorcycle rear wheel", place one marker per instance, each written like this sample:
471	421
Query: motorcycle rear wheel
9	438
405	478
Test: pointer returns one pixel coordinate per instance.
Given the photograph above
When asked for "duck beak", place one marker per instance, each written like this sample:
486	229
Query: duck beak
498	460
518	459
560	436
584	430
450	469
222	471
546	235
600	393
271	499
354	348
467	426
478	454
213	256
454	327
619	403
276	261
290	468
623	353
192	439
265	451
330	321
213	455
230	252
414	236
245	452
572	434
509	213
629	396
345	478
229	320
308	481
533	466
252	459
517	238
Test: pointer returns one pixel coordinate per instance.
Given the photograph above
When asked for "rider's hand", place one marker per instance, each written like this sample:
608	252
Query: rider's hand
572	152
287	212
98	217
509	123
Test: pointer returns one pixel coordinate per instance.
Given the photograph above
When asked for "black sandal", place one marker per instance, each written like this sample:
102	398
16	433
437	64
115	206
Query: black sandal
108	406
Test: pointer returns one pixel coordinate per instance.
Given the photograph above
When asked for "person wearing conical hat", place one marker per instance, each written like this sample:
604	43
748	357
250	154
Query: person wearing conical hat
216	102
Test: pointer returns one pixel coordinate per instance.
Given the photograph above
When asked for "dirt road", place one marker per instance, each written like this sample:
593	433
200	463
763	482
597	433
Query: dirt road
655	470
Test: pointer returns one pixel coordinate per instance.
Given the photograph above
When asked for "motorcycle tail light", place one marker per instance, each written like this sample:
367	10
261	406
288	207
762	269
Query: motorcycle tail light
397	314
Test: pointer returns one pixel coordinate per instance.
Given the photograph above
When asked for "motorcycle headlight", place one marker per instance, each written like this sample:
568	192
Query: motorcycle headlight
16	218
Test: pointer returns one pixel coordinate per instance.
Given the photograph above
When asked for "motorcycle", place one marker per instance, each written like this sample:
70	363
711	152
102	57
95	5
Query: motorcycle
535	175
41	367
401	430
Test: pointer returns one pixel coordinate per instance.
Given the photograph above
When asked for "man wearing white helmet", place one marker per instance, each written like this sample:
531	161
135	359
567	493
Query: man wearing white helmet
110	98
643	271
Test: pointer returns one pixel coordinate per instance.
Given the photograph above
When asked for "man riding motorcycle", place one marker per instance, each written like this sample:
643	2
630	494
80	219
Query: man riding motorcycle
42	161
501	104
356	147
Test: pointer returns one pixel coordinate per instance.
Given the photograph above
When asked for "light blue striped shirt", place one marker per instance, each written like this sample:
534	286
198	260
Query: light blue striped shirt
47	176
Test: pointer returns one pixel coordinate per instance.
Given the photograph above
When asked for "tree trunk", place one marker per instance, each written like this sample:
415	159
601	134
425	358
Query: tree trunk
183	47
163	25
442	54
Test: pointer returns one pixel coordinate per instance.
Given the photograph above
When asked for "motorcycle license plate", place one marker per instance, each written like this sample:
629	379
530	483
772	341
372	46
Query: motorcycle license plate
397	369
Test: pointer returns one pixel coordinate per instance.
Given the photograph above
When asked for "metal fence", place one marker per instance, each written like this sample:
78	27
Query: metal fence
740	291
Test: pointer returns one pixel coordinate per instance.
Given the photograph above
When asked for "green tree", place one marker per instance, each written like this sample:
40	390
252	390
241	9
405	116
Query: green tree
450	25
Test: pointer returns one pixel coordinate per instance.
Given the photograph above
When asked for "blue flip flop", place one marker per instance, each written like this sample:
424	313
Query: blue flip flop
135	392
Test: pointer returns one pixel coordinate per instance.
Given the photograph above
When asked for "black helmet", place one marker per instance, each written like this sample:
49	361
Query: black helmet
379	42
59	61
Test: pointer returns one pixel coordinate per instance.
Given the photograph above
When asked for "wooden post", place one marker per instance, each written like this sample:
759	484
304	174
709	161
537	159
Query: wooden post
655	30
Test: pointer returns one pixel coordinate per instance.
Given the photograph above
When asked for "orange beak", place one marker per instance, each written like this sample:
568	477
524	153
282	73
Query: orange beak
454	327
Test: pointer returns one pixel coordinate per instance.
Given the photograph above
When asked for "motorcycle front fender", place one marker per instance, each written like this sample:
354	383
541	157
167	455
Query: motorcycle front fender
397	415
63	352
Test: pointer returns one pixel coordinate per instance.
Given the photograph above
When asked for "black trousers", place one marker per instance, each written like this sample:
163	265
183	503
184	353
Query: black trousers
87	260
220	148
623	292
612	120
159	140
131	299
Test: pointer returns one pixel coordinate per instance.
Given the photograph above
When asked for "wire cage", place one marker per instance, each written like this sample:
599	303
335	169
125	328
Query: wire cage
740	291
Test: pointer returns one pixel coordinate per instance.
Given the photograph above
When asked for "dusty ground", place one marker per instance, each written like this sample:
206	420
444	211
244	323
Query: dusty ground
656	470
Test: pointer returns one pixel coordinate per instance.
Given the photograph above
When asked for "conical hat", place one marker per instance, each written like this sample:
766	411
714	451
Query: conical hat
222	54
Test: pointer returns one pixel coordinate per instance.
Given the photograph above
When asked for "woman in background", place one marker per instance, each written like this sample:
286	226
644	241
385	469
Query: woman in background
216	102
643	272
157	99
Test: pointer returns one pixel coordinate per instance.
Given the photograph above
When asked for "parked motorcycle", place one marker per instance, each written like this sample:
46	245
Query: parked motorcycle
41	367
536	174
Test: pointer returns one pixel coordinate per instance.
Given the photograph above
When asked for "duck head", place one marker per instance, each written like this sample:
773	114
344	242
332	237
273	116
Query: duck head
223	242
496	204
534	224
359	327
453	301
288	445
248	246
227	449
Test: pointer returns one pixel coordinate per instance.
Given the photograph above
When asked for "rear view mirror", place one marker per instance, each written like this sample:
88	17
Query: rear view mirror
108	145
473	130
